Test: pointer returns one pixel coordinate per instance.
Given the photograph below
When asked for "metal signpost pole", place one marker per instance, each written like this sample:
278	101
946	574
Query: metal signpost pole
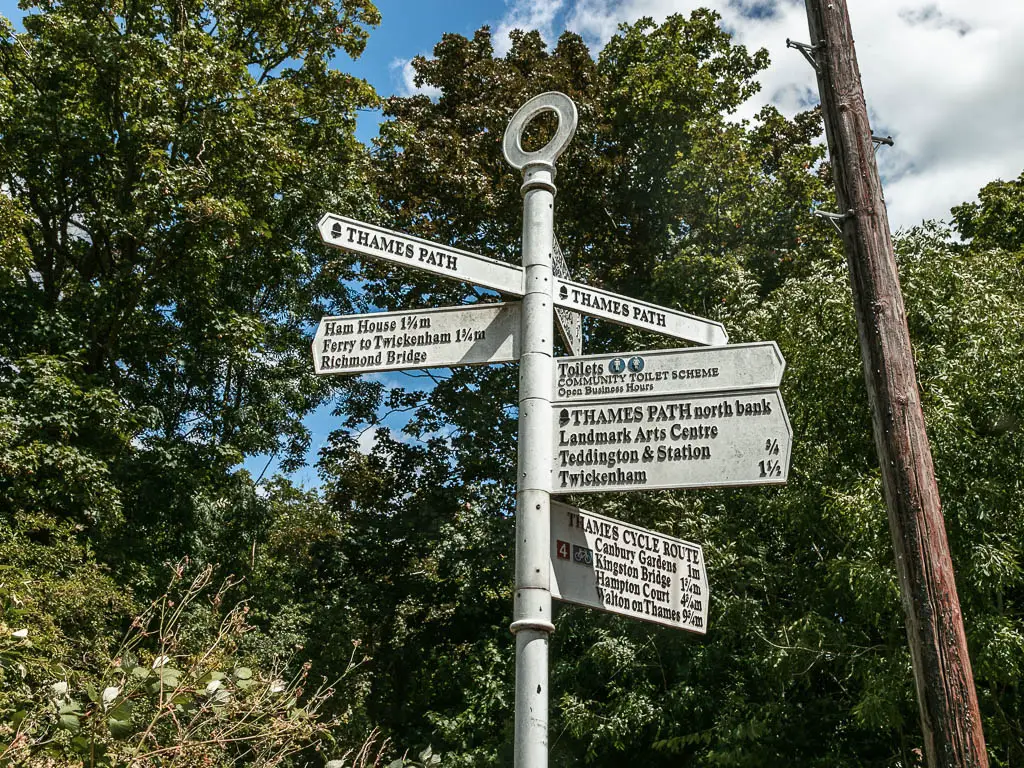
532	611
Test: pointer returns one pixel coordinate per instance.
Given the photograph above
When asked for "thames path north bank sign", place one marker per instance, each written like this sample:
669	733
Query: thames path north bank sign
682	441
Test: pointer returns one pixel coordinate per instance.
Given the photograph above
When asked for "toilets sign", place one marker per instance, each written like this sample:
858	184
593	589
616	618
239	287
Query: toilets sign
668	372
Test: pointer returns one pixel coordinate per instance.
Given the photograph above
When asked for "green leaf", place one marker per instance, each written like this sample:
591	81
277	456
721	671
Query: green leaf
170	677
242	673
123	709
120	729
69	722
400	763
141	673
425	754
210	676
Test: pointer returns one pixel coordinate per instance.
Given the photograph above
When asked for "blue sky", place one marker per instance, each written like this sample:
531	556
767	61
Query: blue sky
409	28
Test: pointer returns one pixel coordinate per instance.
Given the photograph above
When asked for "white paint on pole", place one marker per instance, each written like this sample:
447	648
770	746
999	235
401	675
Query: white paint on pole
686	441
570	324
669	372
638	314
429	338
531	616
409	251
617	567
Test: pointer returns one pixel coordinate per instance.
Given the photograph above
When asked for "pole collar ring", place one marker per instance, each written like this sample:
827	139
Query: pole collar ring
536	624
552	101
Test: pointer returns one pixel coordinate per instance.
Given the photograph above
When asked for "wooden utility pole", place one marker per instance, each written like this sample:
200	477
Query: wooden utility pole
938	647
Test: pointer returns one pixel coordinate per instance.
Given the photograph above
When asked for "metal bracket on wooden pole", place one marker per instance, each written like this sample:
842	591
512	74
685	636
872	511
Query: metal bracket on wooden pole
532	611
880	140
806	49
834	218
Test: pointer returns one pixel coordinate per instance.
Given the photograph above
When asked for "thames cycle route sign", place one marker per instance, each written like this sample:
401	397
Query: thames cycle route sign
613	566
681	418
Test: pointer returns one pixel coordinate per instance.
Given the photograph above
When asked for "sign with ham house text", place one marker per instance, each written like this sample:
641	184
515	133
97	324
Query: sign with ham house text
427	338
687	441
617	567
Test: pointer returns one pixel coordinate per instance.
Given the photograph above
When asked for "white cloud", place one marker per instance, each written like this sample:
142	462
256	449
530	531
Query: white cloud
527	14
940	76
368	438
404	75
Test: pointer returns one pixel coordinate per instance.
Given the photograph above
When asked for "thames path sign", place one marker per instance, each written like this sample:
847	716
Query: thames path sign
408	251
616	567
638	314
685	441
669	372
430	338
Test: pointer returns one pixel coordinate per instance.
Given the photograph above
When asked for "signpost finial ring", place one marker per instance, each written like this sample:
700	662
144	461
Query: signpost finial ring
552	101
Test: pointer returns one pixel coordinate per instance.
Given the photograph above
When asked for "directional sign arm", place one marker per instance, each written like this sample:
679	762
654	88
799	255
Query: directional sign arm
409	251
425	338
730	367
638	314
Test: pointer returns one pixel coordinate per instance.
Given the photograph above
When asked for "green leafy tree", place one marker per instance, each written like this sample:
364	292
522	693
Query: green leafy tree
162	169
165	166
997	219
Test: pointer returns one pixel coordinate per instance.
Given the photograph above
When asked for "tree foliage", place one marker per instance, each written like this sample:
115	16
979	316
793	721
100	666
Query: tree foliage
159	275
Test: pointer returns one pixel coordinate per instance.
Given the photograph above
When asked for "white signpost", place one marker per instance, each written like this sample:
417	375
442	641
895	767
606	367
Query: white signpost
681	418
429	338
669	372
617	567
686	441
